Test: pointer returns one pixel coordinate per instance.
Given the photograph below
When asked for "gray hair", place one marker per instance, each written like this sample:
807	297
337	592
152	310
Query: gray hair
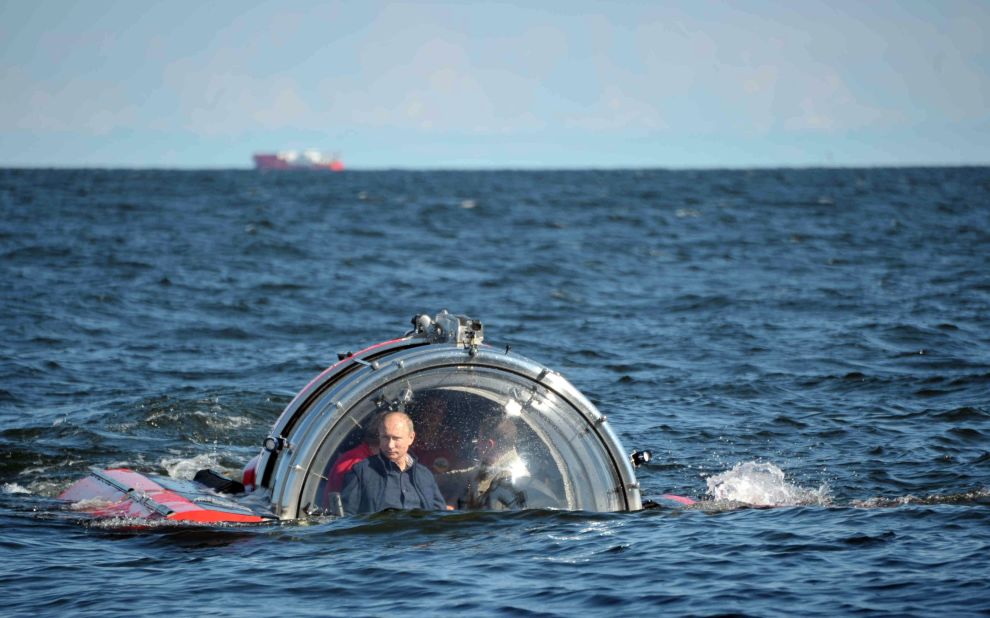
405	417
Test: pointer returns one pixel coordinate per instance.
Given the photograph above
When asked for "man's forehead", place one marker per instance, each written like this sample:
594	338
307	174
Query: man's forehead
395	425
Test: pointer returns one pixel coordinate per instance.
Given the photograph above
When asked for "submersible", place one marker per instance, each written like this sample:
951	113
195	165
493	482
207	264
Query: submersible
453	385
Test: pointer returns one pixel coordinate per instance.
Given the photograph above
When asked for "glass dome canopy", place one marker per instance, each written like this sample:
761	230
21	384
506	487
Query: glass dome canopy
475	408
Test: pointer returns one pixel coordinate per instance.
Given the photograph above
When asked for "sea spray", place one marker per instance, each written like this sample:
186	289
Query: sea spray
761	484
187	467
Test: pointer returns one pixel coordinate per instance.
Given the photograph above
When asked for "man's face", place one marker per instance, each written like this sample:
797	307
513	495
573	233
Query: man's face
395	438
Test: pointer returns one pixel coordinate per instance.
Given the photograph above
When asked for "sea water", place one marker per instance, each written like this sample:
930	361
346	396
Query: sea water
806	353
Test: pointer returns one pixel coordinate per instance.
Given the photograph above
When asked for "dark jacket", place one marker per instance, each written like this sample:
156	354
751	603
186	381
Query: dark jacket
376	484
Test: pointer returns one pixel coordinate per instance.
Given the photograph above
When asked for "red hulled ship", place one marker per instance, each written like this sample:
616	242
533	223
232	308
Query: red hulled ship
296	160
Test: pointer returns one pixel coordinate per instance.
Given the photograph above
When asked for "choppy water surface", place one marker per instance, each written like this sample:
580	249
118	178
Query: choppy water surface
817	340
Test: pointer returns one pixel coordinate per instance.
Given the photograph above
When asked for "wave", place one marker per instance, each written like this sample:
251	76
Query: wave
762	484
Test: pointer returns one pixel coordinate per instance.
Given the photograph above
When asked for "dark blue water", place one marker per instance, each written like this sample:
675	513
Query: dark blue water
832	326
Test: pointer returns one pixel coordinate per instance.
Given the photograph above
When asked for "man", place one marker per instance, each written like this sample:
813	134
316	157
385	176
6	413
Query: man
392	479
439	446
493	482
501	481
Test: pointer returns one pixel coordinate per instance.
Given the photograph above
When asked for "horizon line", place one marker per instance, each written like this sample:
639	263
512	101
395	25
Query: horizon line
523	168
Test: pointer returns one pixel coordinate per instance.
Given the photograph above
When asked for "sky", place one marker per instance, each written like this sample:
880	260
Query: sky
426	85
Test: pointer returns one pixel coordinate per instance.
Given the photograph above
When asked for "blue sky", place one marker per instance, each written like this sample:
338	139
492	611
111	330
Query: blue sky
495	84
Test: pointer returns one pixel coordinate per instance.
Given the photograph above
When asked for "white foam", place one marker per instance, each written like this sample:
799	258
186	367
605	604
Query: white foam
221	421
13	488
186	468
761	484
91	504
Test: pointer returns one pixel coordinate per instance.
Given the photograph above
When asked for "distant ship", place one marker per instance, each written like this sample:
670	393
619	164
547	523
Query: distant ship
294	160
